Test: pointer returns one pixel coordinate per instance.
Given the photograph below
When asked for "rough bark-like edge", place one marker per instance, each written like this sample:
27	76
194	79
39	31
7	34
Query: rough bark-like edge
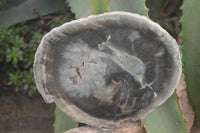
126	127
95	21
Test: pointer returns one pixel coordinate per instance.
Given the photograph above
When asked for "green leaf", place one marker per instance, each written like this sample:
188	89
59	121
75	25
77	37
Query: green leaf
62	122
191	51
166	119
81	8
25	10
14	54
99	6
134	6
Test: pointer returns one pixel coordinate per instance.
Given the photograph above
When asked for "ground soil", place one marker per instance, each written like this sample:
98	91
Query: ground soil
23	114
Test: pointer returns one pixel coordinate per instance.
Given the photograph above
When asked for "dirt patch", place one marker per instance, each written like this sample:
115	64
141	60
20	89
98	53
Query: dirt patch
24	114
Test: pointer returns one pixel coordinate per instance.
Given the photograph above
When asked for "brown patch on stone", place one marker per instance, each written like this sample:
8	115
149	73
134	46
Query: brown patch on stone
74	80
77	69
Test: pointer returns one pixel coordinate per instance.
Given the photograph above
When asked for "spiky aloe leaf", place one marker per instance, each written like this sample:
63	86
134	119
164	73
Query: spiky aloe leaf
191	51
134	6
25	10
166	119
62	122
99	6
81	8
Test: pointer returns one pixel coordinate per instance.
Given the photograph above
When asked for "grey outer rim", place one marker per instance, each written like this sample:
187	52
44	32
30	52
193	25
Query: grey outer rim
130	19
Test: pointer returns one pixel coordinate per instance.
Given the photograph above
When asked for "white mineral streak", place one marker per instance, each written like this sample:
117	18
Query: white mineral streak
134	36
91	68
161	52
130	63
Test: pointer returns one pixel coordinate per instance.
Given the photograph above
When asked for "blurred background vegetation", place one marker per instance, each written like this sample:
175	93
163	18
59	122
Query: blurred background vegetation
23	23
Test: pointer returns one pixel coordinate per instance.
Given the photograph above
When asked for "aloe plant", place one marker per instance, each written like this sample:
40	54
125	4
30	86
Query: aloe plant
62	122
191	50
99	6
167	118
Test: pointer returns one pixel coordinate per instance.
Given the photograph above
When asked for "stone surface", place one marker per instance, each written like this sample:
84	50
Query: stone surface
105	69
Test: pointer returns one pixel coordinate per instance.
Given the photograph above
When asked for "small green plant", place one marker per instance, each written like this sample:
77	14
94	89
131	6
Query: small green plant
17	56
18	44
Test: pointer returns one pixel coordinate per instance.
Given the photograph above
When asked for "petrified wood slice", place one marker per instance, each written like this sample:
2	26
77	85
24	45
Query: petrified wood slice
105	69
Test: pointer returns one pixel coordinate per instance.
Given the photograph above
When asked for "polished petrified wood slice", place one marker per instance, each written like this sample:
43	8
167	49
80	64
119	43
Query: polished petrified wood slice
109	68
